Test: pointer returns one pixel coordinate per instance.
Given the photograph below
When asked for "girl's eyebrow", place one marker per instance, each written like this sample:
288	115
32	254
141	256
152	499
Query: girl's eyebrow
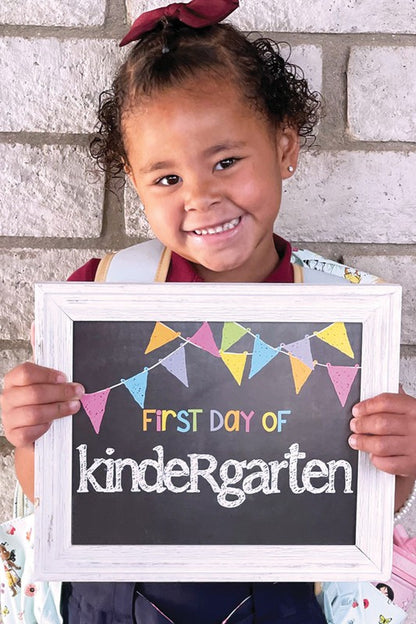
223	147
210	151
156	166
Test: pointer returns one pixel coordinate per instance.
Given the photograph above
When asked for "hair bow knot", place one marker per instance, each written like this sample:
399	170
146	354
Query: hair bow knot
197	13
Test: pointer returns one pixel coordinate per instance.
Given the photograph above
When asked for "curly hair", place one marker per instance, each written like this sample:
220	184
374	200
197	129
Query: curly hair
173	53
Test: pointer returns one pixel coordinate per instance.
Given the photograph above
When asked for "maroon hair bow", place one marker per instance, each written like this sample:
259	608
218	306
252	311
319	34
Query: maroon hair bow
197	13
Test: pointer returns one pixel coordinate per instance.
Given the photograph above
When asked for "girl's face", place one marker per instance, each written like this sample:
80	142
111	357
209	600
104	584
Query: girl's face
208	169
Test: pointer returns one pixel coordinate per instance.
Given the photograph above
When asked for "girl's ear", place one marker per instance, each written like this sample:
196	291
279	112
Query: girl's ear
127	170
288	146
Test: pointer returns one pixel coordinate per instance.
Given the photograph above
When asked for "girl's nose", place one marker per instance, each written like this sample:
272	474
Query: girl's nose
201	194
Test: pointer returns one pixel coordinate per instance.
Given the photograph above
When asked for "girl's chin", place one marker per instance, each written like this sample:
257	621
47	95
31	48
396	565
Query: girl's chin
215	270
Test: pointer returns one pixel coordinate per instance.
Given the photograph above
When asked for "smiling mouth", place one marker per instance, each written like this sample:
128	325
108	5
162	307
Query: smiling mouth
230	225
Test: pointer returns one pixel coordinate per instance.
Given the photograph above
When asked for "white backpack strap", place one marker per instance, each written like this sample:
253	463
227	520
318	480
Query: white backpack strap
142	263
313	269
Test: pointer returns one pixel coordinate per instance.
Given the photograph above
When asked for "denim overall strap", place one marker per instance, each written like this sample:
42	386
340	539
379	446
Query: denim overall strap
286	603
98	603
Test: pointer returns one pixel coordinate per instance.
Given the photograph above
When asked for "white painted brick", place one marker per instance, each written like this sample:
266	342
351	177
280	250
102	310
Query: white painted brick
327	16
408	374
7	486
363	197
399	269
47	191
135	218
53	12
382	93
53	85
19	270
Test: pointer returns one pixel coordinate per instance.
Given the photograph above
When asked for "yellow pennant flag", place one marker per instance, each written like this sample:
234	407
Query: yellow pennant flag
235	362
300	372
161	335
336	336
231	332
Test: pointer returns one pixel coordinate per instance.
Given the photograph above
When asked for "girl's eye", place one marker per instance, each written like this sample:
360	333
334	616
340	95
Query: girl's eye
225	163
169	180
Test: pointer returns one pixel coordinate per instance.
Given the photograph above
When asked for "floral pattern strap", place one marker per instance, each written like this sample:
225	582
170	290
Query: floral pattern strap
21	598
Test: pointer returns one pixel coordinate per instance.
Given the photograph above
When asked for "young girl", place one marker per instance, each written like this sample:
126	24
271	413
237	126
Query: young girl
206	124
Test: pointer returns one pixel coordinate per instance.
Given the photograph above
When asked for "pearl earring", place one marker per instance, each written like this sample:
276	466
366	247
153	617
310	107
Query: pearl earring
290	169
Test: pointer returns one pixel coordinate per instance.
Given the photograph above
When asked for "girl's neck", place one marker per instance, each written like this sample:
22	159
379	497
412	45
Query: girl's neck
256	270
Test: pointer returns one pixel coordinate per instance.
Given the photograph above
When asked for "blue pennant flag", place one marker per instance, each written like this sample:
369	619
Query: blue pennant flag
137	386
262	355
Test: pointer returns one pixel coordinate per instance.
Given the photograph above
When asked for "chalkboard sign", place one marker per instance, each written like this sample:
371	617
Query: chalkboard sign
214	427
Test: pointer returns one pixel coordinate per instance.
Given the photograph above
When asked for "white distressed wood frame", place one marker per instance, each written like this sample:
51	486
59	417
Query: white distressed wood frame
59	305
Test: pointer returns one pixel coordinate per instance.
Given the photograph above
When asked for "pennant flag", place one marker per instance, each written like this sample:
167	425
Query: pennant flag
300	372
301	349
161	335
94	406
262	355
203	338
336	335
235	362
231	333
137	386
342	378
175	363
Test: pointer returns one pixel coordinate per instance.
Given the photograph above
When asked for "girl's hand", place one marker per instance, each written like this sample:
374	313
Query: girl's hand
385	427
32	398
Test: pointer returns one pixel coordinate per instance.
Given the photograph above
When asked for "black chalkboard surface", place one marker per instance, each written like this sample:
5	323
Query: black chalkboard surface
196	411
212	441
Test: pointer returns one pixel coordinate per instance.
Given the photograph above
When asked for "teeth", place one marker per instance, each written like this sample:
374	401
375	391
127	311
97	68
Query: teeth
230	225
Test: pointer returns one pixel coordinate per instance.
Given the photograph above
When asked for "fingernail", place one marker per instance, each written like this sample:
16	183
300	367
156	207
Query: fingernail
355	410
61	378
353	424
74	406
352	441
79	390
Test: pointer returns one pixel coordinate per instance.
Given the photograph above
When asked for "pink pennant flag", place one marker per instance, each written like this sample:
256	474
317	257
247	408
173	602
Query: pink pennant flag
342	378
175	363
94	405
203	338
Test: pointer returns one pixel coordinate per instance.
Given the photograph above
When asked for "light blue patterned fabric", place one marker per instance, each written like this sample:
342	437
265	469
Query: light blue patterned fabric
22	599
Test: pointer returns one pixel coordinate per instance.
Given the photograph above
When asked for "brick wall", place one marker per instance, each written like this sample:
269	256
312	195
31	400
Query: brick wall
353	196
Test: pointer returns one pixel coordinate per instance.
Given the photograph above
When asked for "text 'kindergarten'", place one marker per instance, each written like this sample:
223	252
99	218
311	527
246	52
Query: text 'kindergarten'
231	481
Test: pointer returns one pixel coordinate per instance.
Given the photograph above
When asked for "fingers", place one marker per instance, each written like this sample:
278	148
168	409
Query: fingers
33	397
29	373
383	424
385	403
398	465
385	427
42	394
380	446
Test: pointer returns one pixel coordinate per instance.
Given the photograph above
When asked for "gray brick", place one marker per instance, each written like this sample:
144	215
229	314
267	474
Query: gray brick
357	197
382	93
19	270
58	83
53	12
7	486
327	16
47	191
399	269
408	374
